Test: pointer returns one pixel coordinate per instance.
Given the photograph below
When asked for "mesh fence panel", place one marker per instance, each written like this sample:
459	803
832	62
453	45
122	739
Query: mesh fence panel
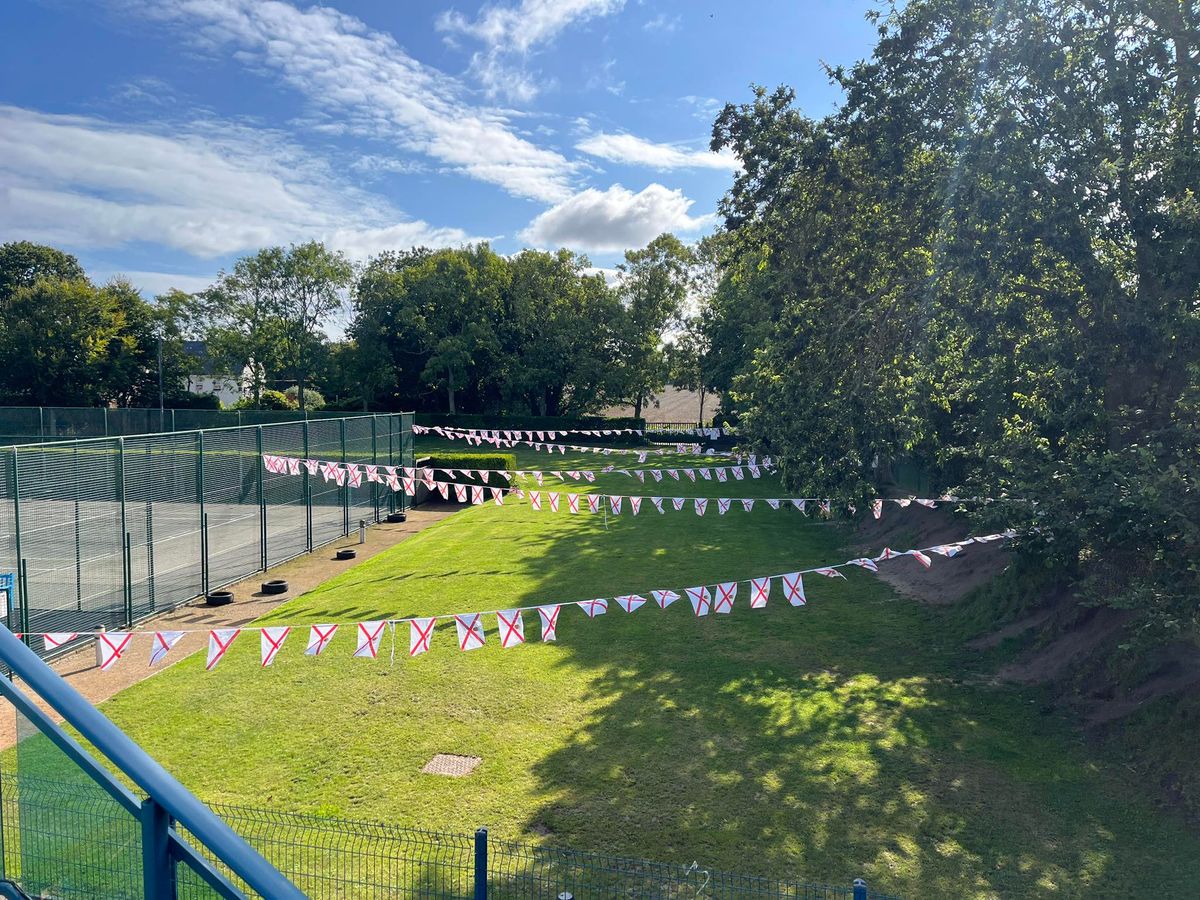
112	531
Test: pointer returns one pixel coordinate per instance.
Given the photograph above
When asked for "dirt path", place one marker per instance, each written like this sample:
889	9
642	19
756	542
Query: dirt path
302	574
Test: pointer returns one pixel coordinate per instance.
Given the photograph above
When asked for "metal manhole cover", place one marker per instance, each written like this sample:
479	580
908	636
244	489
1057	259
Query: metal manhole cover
452	765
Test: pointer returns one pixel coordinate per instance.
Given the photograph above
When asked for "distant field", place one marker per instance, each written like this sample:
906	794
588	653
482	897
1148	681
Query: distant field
826	742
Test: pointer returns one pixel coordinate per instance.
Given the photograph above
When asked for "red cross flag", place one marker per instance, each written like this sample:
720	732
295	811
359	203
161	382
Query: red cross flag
760	590
888	553
640	475
594	502
830	572
354	474
723	505
657	474
470	631
677	502
328	470
477	495
701	505
270	640
593	608
774	504
748	505
55	639
460	493
946	550
311	465
705	474
162	644
674	473
512	627
793	588
319	637
877	508
369	636
631	602
339	475
930	503
635	505
497	496
721	476
574	475
372	473
549	617
410	486
753	471
535	500
737	473
293	466
921	558
573	503
537	476
664	598
393	481
219	640
552	496
799	504
868	564
614	504
444	490
420	631
112	644
701	600
726	594
690	473
657	501
825	507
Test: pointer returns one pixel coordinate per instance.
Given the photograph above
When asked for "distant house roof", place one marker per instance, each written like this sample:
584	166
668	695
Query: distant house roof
198	351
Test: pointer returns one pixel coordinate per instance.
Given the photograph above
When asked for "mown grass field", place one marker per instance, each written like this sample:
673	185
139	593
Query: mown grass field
826	742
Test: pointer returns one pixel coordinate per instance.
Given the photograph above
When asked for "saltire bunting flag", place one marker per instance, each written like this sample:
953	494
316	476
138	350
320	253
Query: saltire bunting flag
589	476
219	640
657	474
410	486
690	473
535	500
722	505
270	640
470	631
657	501
705	474
444	490
372	473
721	475
929	503
737	473
573	503
799	504
888	553
614	503
393	481
701	505
946	550
162	644
311	466
549	617
112	645
830	572
726	594
593	608
700	599
339	475
760	591
677	502
825	507
293	466
553	498
369	636
774	504
631	602
460	493
55	639
748	505
921	558
593	503
868	564
753	471
476	495
354	474
635	505
497	496
512	627
793	588
420	632
877	508
319	637
641	476
664	598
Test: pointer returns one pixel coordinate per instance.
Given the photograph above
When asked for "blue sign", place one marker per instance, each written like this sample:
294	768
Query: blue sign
6	590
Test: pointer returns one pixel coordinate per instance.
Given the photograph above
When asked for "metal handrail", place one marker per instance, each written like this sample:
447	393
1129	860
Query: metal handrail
167	799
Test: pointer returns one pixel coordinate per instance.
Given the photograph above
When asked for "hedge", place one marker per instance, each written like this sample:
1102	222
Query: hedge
536	423
506	462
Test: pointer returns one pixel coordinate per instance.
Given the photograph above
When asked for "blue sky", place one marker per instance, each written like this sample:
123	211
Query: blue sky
162	139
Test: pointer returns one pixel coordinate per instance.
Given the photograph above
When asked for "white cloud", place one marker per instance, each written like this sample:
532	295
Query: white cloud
207	189
367	85
662	22
151	284
635	151
614	219
510	33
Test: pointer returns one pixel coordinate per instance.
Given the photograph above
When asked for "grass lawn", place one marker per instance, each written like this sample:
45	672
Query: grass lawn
826	742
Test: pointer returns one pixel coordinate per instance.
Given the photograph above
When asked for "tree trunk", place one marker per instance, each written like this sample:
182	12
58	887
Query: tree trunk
701	422
637	407
450	389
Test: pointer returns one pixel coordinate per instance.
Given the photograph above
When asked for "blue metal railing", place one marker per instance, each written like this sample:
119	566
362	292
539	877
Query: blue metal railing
167	802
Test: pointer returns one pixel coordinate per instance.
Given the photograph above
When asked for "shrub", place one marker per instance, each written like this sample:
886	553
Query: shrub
505	462
267	400
312	399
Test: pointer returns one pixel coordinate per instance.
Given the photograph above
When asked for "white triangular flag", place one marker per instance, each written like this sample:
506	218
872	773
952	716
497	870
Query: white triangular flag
163	642
270	641
369	636
470	631
512	627
219	640
112	644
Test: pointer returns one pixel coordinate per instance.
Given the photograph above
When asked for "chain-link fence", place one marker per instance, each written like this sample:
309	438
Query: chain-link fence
108	532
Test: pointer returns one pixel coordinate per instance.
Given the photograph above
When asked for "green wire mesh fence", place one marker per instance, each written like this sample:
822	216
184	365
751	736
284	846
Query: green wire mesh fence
108	532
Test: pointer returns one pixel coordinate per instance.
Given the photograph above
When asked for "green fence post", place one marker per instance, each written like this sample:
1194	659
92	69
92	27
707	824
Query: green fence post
78	541
19	588
158	865
124	531
307	494
375	462
346	483
481	864
262	500
104	410
203	515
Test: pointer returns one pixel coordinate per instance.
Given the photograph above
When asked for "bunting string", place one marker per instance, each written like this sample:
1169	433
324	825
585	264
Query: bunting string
718	598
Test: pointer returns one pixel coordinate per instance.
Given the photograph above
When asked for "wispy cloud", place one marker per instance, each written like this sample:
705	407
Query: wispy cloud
206	188
631	150
614	219
662	22
510	33
365	84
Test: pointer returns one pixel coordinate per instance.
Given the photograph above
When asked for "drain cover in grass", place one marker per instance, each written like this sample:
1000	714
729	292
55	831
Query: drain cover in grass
452	765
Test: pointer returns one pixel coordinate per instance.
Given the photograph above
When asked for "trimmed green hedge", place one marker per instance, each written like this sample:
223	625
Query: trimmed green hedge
537	423
506	462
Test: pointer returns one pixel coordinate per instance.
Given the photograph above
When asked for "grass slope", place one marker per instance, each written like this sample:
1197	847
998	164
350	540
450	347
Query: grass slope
825	742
